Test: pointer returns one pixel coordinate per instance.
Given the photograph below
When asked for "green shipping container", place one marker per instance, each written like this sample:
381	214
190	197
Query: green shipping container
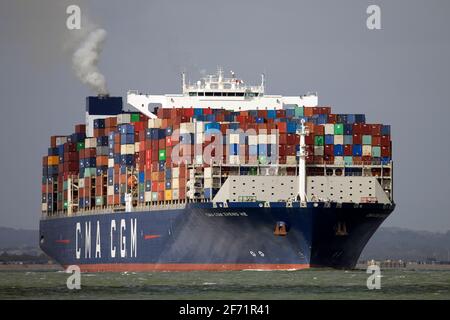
376	151
154	196
141	187
98	201
65	185
253	171
65	205
318	140
299	111
348	160
135	117
338	128
162	154
89	172
367	140
262	159
80	146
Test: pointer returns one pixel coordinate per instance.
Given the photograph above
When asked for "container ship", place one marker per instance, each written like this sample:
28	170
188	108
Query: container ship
220	177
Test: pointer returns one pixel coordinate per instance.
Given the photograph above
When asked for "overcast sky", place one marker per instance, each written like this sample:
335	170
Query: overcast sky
399	75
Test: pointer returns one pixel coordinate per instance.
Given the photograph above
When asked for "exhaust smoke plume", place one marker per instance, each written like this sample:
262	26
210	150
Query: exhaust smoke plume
85	59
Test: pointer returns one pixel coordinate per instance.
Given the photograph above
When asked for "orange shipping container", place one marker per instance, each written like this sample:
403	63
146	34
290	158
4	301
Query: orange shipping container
53	160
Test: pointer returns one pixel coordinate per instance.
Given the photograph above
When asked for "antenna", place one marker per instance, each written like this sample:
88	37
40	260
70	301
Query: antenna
263	81
183	80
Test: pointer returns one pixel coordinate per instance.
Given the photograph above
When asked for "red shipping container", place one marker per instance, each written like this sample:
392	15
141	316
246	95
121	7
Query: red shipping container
357	128
318	159
309	139
348	150
325	110
282	138
282	127
328	159
357	138
319	130
385	151
293	139
375	129
316	110
376	140
332	118
385	140
308	111
80	128
357	160
310	159
290	150
53	141
366	128
329	150
367	159
282	150
169	141
99	132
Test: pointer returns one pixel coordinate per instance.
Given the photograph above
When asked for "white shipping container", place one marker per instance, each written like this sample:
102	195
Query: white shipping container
110	163
252	140
191	173
262	138
208	183
154	123
318	150
291	160
61	140
175	183
148	196
187	127
175	172
81	183
110	191
329	128
137	146
338	139
199	159
233	159
272	138
175	194
44	207
366	150
208	172
339	160
90	143
123	118
234	138
127	149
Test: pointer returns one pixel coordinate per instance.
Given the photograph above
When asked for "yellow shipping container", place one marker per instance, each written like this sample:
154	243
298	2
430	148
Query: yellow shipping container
53	160
168	195
154	176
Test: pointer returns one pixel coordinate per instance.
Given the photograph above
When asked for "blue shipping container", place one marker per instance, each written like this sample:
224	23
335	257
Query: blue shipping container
338	150
329	139
357	150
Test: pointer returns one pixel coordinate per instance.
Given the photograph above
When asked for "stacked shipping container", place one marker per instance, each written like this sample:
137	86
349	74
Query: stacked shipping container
131	153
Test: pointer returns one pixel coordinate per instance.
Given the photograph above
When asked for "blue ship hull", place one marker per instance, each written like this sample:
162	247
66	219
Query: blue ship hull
200	237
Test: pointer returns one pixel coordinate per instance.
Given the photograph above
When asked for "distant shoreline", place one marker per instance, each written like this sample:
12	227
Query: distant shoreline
56	267
30	267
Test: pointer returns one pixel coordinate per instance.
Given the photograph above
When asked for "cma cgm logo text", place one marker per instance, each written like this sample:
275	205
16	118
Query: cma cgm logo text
122	239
